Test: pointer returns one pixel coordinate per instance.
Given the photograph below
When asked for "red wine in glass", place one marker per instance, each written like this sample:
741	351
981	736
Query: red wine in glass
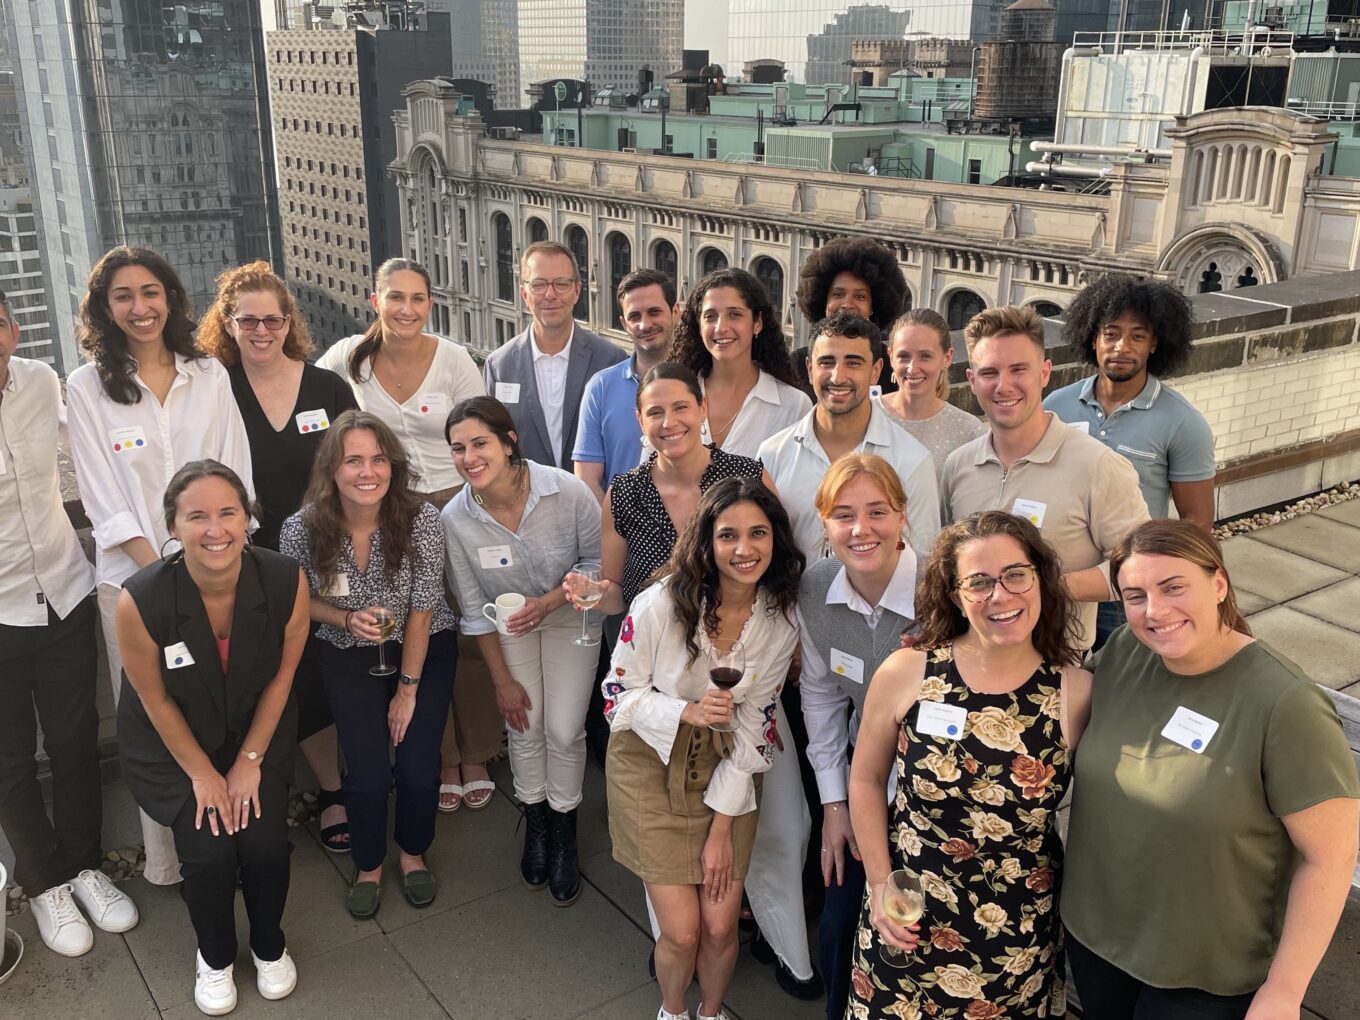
724	677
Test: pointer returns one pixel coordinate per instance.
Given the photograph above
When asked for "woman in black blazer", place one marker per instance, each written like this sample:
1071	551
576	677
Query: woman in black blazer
209	639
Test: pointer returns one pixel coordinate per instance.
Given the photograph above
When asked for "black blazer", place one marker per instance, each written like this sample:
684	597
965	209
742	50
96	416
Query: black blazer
219	709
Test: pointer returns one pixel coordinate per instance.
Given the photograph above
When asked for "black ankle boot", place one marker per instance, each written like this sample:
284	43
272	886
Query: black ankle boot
533	866
564	882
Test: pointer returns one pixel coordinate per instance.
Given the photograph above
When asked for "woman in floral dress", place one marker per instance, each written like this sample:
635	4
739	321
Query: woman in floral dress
978	724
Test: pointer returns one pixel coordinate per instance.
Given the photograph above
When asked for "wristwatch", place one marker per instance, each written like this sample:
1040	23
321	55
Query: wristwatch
408	680
252	756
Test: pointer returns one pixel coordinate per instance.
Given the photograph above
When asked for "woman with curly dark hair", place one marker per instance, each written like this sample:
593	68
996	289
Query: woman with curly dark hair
147	403
688	743
729	335
978	724
372	549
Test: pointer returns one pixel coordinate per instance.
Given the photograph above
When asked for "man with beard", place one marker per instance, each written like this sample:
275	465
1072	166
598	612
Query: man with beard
1135	332
609	439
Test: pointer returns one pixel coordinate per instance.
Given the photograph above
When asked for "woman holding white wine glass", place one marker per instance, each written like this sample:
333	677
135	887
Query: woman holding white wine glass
517	527
373	553
978	722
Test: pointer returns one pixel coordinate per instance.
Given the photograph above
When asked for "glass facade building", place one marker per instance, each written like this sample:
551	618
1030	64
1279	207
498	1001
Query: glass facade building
605	42
486	45
21	276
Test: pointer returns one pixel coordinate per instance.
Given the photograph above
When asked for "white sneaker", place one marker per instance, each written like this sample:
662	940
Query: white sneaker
214	990
663	1015
107	907
59	922
276	979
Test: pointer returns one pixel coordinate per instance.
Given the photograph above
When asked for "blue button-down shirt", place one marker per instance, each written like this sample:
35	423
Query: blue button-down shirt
609	432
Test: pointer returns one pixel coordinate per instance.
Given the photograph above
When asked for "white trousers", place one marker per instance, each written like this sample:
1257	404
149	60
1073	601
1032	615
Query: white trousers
162	863
549	758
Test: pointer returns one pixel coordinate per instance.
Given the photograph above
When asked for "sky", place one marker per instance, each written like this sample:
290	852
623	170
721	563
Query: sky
706	29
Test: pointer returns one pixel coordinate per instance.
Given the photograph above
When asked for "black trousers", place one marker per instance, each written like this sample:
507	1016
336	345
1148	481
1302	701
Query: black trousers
359	704
836	930
1108	993
50	669
210	865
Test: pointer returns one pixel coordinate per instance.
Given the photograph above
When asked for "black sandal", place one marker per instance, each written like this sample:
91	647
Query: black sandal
332	836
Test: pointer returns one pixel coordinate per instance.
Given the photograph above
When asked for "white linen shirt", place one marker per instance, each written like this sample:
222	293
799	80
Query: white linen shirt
770	406
797	463
550	376
651	681
41	562
126	454
418	420
830	729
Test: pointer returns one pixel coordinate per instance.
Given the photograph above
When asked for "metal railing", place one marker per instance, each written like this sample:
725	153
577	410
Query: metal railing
1215	42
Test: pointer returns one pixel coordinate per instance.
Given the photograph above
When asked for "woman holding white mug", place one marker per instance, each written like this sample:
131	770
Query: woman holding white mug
512	534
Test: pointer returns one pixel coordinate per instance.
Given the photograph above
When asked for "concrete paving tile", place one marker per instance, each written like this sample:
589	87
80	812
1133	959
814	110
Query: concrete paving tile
1274	573
1336	603
618	885
46	986
1318	538
368	978
1248	601
641	1002
1333	993
511	955
1347	512
163	942
1327	654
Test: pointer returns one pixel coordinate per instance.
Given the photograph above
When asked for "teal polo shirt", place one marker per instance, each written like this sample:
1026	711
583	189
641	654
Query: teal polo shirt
1160	432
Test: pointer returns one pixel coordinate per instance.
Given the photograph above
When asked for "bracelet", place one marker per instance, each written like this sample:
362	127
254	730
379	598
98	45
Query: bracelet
347	616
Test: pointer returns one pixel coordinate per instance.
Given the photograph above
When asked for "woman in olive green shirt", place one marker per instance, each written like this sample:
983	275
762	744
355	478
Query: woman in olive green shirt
1214	814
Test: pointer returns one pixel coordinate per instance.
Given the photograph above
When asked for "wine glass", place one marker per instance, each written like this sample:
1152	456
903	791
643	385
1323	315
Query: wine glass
726	667
904	901
387	626
586	593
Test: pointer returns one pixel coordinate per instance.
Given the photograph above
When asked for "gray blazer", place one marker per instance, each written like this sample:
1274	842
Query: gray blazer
514	363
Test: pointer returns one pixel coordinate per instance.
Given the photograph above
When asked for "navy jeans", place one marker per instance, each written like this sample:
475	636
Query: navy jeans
1109	618
1108	993
836	935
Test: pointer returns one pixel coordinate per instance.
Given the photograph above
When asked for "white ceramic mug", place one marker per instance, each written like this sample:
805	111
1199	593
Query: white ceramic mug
502	609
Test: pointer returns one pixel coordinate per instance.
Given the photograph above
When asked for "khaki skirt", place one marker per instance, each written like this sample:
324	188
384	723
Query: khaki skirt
658	820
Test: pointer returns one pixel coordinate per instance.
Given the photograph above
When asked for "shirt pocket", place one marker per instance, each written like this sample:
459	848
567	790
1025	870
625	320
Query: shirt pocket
1133	452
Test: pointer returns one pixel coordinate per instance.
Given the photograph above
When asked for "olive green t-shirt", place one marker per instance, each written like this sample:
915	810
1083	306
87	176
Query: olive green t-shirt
1178	865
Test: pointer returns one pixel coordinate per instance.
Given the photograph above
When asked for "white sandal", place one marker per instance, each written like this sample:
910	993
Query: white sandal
478	786
446	789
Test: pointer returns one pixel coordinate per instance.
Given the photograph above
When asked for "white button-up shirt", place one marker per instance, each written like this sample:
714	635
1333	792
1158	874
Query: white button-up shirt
770	406
797	463
550	376
126	454
418	420
41	562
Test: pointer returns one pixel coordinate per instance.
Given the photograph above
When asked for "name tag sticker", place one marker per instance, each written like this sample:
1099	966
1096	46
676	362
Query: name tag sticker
936	720
177	656
127	439
312	421
493	557
875	390
433	403
507	392
1190	729
1084	427
846	665
339	587
1030	509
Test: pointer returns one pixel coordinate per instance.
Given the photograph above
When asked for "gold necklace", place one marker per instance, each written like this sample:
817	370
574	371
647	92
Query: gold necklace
521	477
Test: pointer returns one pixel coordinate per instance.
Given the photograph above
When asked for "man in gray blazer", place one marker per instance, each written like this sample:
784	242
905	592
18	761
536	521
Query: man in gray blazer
541	374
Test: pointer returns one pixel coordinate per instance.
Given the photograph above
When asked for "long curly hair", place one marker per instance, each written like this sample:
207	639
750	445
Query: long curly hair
323	517
1056	636
861	257
1185	540
693	572
103	341
252	278
1162	306
768	349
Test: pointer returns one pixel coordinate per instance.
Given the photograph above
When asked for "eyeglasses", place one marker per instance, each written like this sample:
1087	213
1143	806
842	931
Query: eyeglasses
1017	579
250	323
540	287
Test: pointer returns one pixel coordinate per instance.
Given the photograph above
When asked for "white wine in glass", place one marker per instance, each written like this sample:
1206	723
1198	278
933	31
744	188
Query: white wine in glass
387	626
904	902
586	593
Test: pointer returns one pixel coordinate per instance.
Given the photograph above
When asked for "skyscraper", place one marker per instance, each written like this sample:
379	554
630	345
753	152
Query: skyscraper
605	42
146	124
486	45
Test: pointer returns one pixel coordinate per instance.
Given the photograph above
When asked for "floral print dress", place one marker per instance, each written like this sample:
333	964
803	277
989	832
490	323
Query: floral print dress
974	817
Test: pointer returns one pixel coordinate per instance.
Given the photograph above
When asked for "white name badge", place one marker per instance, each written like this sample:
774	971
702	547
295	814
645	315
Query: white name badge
843	664
127	439
339	587
1190	729
177	656
493	557
937	720
312	421
433	403
875	390
1031	510
507	392
1084	427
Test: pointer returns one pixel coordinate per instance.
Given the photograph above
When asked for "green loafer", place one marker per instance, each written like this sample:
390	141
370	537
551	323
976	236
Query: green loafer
418	887
362	900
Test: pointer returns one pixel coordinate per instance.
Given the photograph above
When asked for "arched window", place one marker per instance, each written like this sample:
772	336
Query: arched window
1211	280
1210	177
1196	189
1281	184
963	305
579	246
620	265
505	257
538	230
1047	309
664	259
1253	175
771	276
711	260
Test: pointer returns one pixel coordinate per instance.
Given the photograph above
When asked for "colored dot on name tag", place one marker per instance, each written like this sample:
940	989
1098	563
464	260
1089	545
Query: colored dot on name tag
1196	744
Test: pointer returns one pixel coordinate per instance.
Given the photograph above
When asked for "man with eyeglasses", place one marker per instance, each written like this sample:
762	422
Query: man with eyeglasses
1081	495
541	374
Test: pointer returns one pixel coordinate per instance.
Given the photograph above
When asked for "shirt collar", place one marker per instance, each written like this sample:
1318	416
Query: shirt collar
542	482
1047	449
899	597
563	353
10	385
876	434
766	388
630	367
1143	402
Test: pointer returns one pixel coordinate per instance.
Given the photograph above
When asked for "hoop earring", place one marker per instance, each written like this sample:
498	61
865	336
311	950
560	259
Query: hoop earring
160	553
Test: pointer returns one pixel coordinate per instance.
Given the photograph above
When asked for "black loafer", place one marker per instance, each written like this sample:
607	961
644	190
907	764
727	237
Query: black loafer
812	988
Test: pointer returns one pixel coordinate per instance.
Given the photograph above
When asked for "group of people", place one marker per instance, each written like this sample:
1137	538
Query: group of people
816	606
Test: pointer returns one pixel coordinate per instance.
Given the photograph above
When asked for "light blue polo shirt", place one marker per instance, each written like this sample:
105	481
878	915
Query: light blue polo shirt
1160	432
609	432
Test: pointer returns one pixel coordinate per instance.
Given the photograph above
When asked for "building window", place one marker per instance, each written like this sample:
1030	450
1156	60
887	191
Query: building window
711	148
505	258
963	305
538	230
711	260
620	265
771	275
1047	309
664	259
579	246
975	171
